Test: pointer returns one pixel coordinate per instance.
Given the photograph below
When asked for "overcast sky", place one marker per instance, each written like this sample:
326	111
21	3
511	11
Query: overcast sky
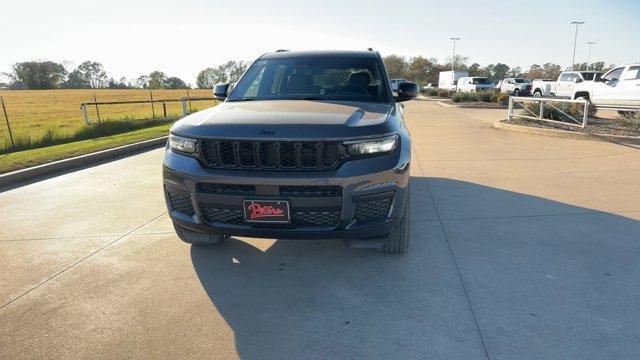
183	37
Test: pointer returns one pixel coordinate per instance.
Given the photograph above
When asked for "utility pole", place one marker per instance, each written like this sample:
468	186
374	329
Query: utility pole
575	41
589	44
453	57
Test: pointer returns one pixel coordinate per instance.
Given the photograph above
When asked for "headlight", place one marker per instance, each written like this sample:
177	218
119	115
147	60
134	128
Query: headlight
182	144
375	146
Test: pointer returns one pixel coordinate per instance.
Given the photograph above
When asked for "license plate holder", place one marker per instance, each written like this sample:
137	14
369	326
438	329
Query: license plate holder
266	211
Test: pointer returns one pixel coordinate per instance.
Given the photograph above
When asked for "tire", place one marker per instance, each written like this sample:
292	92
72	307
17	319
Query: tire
537	93
516	92
197	238
398	240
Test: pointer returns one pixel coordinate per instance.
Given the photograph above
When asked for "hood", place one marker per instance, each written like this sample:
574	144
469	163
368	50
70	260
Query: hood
289	119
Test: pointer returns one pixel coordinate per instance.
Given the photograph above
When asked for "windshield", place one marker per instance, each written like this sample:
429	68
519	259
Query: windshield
480	81
313	78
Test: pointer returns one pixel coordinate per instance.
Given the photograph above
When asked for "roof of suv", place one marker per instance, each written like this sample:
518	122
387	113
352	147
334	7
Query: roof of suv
314	53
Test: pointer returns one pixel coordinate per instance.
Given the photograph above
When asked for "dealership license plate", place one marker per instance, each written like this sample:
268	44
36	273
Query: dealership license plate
267	211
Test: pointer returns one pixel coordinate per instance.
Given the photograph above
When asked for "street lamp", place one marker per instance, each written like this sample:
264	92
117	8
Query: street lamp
575	41
453	57
589	44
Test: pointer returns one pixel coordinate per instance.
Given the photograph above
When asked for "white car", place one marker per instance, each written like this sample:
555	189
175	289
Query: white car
394	83
474	84
514	86
618	89
564	86
448	80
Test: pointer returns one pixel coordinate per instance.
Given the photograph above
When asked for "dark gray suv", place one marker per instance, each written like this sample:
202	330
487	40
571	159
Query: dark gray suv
307	145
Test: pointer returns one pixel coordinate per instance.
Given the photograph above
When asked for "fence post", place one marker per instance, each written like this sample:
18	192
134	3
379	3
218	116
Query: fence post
153	110
510	113
97	110
184	107
585	116
164	109
6	117
189	97
541	115
85	114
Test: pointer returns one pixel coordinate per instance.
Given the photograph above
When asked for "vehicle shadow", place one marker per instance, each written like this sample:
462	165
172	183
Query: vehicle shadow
320	299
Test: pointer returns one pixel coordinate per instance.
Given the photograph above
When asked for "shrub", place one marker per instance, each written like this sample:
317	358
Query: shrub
502	98
630	117
432	92
445	94
556	113
485	96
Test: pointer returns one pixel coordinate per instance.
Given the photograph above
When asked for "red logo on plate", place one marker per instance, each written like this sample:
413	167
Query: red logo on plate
258	211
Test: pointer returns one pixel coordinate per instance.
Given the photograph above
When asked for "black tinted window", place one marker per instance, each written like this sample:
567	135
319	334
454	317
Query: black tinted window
330	78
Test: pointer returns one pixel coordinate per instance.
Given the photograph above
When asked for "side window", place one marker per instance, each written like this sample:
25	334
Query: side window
252	91
565	77
633	73
613	75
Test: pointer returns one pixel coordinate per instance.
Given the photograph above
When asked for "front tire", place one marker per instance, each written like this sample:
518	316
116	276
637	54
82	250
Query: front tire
537	93
197	238
516	92
398	240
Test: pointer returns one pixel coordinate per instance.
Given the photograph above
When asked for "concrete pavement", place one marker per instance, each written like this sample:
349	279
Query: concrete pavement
522	246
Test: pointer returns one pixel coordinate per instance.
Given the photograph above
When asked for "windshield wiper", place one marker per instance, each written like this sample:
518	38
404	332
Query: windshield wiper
243	99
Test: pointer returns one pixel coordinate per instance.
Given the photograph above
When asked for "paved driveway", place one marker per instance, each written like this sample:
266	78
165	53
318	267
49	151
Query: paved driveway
521	247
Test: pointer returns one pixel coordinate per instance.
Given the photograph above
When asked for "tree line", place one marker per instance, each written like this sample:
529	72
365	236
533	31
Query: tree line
426	70
92	75
38	75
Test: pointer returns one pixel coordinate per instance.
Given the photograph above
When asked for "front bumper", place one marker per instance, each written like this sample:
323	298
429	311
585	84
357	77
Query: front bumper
362	184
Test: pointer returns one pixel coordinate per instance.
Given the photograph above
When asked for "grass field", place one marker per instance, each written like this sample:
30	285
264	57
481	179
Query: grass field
33	113
27	158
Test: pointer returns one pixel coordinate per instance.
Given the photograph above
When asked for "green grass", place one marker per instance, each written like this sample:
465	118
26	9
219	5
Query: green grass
85	132
28	158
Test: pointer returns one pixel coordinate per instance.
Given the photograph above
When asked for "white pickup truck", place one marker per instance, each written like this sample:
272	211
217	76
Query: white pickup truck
618	89
564	86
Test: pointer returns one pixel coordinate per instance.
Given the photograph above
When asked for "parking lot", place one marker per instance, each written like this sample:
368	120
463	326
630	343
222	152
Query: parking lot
522	246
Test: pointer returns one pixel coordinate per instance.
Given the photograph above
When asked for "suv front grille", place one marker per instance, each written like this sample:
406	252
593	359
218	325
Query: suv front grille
271	154
313	191
299	217
181	203
225	189
372	210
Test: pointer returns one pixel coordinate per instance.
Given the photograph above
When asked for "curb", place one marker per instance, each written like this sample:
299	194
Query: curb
14	177
623	140
469	106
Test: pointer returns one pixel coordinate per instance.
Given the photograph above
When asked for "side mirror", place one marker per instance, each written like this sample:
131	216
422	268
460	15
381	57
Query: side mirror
577	80
407	91
221	91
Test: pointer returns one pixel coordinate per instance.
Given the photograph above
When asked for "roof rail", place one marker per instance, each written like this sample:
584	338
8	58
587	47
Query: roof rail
281	50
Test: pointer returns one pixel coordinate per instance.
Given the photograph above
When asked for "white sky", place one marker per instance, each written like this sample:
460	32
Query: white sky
183	37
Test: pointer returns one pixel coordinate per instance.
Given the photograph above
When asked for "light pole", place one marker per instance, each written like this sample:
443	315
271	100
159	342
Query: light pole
589	44
575	41
453	57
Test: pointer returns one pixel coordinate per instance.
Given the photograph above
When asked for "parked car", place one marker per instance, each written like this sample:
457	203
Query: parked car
448	80
514	86
564	86
394	83
618	89
474	84
307	145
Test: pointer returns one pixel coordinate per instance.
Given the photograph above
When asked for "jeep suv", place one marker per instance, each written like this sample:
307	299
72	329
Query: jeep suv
307	145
